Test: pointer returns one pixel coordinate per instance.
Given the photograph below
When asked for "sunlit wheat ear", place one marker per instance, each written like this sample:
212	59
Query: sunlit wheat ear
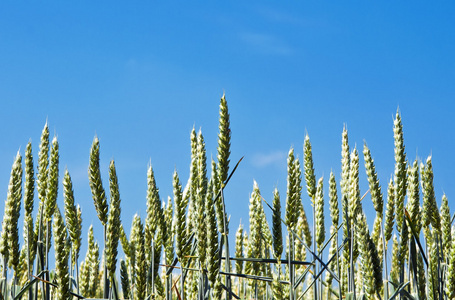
22	270
413	204
450	283
421	276
255	240
84	277
114	222
332	252
179	220
132	253
239	249
52	180
29	192
169	233
276	225
445	226
95	278
400	170
154	217
124	241
373	181
310	178
345	163
43	163
137	239
193	181
277	288
124	279
430	214
366	258
319	215
303	229
389	212
394	273
354	189
71	216
61	256
291	214
216	186
213	257
333	200
12	213
433	276
96	185
224	141
201	190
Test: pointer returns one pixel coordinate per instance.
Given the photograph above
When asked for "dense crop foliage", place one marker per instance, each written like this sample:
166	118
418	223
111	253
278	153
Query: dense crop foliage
181	249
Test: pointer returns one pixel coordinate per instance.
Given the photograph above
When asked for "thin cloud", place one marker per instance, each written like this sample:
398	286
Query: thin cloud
274	15
266	43
276	158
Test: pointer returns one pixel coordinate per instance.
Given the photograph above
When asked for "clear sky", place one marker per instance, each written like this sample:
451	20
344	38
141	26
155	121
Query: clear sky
141	74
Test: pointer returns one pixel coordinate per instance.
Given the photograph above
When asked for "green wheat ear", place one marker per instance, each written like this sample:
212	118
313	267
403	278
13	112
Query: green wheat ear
12	213
154	220
201	190
413	205
400	170
373	181
96	185
124	279
354	189
61	256
309	169
446	226
74	223
43	164
345	163
389	213
366	258
239	243
93	262
333	201
224	141
430	213
450	284
276	225
291	214
213	256
255	239
179	220
52	180
137	239
29	193
113	225
319	215
169	233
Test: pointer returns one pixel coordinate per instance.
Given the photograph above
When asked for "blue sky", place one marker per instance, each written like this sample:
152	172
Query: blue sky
141	74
